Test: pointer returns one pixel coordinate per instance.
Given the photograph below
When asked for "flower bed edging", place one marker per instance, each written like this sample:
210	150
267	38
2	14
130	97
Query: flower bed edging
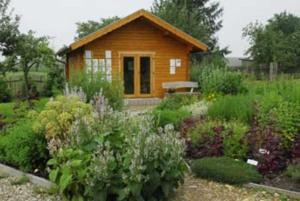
292	194
41	182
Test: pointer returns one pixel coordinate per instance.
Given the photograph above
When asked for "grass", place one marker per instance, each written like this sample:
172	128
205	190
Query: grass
6	109
10	116
227	108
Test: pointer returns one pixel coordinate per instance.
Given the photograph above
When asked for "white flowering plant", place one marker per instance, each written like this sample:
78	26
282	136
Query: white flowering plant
118	157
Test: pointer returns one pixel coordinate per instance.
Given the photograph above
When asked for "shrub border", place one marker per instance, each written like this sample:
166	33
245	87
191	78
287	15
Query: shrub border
271	189
41	182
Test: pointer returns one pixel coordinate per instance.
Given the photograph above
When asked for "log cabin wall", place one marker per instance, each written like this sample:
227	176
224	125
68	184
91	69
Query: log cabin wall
139	37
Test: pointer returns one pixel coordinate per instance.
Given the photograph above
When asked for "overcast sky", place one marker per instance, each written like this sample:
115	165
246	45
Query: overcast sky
57	18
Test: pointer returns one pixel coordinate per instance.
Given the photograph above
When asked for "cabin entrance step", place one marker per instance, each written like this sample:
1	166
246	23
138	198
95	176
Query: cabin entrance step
142	101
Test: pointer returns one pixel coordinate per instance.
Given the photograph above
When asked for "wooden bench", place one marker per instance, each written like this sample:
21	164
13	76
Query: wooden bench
172	86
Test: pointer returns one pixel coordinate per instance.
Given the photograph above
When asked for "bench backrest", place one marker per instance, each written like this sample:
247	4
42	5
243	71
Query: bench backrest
180	84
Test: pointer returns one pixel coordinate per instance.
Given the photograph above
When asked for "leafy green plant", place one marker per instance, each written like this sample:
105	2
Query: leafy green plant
22	148
149	161
56	119
293	171
233	140
218	78
225	170
92	84
227	108
69	169
215	138
55	80
167	116
176	101
151	165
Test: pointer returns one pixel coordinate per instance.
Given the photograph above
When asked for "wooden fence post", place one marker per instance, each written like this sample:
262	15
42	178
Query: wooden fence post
273	71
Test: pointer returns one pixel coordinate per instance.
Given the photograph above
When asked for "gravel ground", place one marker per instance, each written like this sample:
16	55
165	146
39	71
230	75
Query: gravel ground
201	190
23	192
193	190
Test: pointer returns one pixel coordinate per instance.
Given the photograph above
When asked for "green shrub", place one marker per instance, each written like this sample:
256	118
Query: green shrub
288	89
69	171
176	101
225	170
233	140
96	83
58	116
213	138
22	148
218	78
150	163
293	171
232	108
55	81
167	116
279	110
202	130
5	96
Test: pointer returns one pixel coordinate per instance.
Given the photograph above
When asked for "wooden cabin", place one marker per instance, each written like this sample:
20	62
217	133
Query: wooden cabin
142	49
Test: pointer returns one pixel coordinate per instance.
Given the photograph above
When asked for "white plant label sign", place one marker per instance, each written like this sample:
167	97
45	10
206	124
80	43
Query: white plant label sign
252	162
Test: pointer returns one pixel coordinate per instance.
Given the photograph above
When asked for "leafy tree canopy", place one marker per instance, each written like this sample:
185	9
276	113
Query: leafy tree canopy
85	28
277	41
199	18
30	52
9	31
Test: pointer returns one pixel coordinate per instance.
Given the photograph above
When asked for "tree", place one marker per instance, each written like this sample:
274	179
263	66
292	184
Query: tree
31	52
9	31
85	28
276	42
199	18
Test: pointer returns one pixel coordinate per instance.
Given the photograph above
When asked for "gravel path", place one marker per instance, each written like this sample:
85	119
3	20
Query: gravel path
23	192
195	189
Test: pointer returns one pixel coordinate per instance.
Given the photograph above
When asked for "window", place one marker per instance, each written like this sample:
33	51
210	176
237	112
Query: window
99	65
108	64
174	63
88	61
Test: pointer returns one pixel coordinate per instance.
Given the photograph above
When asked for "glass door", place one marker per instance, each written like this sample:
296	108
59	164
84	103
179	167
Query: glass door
128	75
145	75
136	69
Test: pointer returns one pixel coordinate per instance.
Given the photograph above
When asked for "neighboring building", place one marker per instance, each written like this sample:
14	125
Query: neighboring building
142	48
238	63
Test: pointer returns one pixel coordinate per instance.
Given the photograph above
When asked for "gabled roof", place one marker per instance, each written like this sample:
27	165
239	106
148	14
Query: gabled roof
197	45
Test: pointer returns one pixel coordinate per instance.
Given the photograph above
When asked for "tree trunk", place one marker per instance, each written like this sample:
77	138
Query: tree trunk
26	81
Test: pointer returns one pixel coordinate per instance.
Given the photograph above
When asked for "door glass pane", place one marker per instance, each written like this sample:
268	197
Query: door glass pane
145	75
128	75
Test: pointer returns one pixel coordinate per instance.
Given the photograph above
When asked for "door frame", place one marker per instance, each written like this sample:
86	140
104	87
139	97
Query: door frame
137	85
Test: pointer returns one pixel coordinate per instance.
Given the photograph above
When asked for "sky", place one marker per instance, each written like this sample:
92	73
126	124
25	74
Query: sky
57	18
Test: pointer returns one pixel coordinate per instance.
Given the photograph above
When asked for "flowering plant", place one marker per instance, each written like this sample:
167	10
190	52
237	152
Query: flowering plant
119	157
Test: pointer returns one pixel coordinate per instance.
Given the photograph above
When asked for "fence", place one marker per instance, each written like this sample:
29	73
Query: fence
15	82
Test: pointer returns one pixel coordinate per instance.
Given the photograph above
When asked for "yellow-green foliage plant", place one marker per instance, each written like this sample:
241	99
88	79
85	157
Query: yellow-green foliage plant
56	120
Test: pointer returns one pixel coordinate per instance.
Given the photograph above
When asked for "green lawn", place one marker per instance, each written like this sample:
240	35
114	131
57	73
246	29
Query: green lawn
7	109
